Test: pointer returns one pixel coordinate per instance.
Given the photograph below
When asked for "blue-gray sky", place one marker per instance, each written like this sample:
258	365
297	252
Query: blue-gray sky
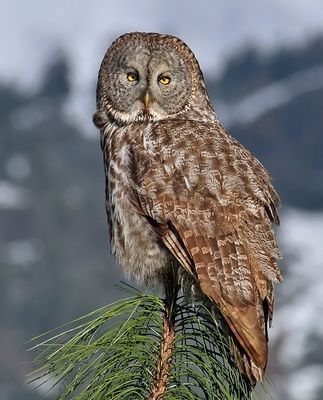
30	30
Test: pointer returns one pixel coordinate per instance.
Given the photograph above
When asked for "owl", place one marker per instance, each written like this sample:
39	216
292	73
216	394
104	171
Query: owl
180	190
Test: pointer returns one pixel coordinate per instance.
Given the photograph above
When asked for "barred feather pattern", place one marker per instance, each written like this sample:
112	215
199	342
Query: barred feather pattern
189	187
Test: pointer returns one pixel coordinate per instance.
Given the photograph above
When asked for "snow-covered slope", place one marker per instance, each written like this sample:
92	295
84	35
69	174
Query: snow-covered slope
298	319
272	96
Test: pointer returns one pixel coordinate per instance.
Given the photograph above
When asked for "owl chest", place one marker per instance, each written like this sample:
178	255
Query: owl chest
133	241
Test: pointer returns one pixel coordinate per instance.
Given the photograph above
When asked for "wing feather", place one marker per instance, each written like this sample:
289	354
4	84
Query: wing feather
213	209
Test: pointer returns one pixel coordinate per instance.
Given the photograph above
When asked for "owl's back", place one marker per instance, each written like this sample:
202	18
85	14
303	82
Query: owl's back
185	190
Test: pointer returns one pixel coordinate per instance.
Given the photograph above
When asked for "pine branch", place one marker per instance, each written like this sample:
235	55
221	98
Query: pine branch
162	371
140	348
163	367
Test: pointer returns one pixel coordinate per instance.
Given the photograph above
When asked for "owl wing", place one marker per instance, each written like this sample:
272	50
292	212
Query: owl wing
212	204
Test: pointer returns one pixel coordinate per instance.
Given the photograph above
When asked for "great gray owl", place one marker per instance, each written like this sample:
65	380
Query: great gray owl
180	188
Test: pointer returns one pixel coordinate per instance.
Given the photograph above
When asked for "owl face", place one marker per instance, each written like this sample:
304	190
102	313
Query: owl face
148	80
147	76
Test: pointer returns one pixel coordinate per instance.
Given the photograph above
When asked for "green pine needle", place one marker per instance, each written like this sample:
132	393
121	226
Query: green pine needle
112	352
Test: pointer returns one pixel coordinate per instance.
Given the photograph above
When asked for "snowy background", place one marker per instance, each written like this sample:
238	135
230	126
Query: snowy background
50	53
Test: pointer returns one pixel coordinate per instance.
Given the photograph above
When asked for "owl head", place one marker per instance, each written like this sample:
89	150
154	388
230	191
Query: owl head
149	77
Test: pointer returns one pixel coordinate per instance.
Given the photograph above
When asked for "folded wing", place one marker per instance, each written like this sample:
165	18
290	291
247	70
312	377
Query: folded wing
212	204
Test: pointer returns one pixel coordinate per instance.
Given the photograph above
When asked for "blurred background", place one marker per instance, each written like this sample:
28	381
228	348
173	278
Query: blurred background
263	62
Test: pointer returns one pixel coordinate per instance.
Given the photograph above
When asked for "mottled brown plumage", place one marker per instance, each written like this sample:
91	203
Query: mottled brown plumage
178	187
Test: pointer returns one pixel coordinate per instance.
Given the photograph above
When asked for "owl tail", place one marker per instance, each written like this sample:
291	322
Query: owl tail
243	352
249	348
246	365
252	372
243	355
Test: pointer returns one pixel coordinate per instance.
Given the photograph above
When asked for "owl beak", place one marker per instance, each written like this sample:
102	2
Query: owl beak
147	100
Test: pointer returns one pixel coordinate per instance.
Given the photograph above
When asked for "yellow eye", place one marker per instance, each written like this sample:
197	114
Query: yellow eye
132	77
164	80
